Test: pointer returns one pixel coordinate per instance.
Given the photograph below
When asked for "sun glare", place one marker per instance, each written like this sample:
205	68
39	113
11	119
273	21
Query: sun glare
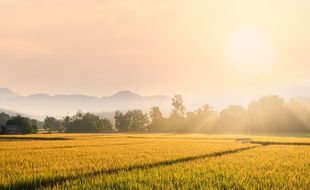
250	51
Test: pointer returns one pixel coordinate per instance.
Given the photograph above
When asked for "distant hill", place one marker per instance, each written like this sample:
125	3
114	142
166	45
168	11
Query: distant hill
14	113
7	93
41	105
10	112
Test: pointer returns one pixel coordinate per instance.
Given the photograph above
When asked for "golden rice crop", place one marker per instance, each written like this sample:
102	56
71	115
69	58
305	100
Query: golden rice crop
270	167
36	161
146	161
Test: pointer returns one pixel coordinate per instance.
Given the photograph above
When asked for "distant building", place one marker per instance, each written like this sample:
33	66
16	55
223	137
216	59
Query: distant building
13	129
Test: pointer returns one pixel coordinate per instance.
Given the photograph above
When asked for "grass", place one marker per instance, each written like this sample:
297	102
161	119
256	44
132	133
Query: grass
162	161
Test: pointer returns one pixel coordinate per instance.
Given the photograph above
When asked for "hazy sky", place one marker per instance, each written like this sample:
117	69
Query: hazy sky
194	47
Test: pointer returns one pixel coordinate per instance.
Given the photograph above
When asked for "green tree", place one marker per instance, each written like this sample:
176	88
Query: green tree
157	120
121	123
28	125
86	123
52	124
156	114
66	122
105	126
133	120
4	118
137	121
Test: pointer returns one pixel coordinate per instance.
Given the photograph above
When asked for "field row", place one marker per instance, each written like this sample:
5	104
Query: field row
272	167
152	162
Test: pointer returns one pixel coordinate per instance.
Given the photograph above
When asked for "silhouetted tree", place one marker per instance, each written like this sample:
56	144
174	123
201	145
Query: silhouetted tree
157	120
52	124
28	125
137	120
231	120
176	121
270	114
202	120
86	123
179	109
133	120
105	126
4	118
121	123
301	113
66	122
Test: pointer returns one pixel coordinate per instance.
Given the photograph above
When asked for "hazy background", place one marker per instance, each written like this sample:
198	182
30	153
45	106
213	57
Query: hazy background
191	47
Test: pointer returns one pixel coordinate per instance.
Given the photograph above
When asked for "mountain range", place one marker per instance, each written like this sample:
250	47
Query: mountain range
41	105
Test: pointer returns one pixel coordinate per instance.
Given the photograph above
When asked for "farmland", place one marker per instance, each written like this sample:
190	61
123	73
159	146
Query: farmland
153	161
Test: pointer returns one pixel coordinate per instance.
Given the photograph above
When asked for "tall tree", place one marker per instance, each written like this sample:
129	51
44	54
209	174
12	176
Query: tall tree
137	121
4	118
120	122
157	120
179	109
156	114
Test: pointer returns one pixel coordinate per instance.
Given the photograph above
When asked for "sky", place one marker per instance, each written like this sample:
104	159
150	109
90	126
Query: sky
232	49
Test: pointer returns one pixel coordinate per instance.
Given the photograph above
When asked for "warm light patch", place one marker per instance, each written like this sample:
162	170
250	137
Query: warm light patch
249	51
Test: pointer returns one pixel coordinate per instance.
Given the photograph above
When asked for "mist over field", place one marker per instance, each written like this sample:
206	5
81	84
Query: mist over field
122	55
40	105
126	111
154	94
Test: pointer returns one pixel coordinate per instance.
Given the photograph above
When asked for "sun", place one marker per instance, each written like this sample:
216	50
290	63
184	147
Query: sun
250	51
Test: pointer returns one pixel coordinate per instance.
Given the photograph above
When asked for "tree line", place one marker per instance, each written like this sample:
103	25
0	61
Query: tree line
27	125
269	114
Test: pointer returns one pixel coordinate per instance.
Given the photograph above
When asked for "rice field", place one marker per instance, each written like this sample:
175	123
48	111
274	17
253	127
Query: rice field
149	161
